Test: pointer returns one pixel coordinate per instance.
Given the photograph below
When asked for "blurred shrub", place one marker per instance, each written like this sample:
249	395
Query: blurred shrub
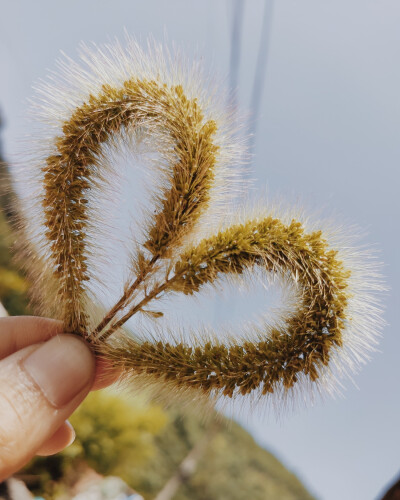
114	436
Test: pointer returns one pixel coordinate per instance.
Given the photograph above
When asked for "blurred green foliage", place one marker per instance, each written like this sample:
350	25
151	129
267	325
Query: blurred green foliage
13	286
114	435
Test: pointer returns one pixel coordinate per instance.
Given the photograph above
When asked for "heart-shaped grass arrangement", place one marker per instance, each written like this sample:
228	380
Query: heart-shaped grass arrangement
118	93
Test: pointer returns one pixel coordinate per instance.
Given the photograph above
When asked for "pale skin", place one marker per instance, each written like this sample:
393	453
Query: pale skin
44	376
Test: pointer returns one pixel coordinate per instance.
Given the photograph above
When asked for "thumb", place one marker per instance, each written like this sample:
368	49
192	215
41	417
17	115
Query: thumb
40	386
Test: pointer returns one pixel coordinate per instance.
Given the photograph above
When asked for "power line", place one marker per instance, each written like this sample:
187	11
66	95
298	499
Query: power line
260	72
236	42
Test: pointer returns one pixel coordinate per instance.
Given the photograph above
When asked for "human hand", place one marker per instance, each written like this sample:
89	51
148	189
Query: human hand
44	376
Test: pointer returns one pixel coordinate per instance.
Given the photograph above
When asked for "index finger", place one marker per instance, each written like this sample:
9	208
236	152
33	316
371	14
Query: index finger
17	332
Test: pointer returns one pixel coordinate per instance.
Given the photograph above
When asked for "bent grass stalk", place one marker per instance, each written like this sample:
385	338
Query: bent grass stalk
68	175
121	303
302	346
273	358
309	334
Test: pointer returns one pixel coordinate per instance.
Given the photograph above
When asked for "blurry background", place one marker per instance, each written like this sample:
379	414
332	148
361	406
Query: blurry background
320	81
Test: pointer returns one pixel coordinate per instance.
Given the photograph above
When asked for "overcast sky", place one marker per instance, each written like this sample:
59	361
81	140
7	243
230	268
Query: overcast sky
328	135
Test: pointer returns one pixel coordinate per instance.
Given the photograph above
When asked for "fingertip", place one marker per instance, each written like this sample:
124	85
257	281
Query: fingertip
62	438
106	374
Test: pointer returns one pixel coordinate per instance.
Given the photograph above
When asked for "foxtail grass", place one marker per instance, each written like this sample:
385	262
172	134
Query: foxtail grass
333	323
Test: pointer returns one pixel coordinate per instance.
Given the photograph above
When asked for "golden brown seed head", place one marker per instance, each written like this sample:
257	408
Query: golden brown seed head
271	360
69	174
302	345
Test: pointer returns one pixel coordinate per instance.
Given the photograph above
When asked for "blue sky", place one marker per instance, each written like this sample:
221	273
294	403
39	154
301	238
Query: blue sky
328	136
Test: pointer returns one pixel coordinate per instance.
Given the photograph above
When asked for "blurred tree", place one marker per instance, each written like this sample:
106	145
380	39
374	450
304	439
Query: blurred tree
233	466
114	435
393	492
189	464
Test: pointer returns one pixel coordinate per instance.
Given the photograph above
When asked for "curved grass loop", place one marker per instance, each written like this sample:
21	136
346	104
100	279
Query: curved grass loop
72	171
303	341
302	345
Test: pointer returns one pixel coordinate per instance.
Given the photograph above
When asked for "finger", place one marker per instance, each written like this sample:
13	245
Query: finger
18	332
63	437
105	374
40	386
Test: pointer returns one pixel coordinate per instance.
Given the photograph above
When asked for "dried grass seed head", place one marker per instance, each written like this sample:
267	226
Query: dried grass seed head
121	90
